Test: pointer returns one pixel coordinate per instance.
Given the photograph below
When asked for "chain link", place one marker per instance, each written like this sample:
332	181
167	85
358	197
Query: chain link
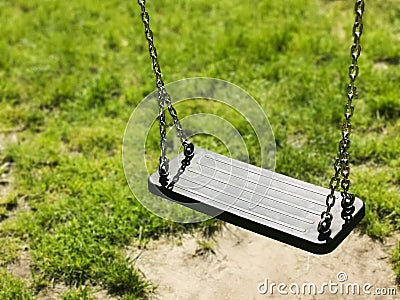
163	98
341	165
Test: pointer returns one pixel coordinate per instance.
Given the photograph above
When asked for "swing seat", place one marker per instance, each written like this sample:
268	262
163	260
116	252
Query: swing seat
265	202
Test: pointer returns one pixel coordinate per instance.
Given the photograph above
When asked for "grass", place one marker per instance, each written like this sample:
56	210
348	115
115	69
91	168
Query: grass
72	72
204	247
13	288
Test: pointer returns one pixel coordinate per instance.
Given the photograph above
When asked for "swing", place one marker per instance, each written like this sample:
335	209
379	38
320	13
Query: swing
265	202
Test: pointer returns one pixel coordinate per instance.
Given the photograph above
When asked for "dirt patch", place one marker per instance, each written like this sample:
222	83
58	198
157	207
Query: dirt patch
380	65
102	295
6	167
21	269
6	179
53	293
243	260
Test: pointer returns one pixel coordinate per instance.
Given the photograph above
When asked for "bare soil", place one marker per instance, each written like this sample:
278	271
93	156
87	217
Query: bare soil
243	260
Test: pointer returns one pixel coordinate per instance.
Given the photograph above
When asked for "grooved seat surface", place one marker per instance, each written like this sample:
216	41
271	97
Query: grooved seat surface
257	199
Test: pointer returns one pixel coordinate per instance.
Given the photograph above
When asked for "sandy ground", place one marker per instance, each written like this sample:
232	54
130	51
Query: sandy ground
243	260
6	178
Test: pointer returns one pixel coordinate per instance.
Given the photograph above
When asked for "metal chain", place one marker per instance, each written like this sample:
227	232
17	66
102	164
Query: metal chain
341	165
163	98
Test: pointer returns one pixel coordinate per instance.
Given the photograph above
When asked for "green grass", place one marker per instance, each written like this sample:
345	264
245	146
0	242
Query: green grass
78	294
13	288
71	72
204	247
